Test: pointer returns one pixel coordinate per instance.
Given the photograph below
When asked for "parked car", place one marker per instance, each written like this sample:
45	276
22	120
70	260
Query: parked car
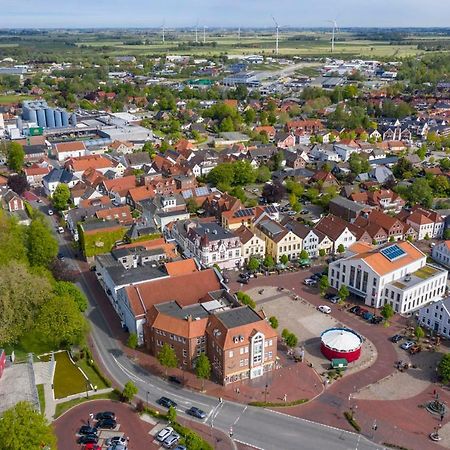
88	439
396	338
116	440
309	282
105	415
164	433
407	345
196	412
355	309
107	424
415	349
60	230
117	447
171	441
361	312
335	299
166	402
329	295
86	429
367	316
243	280
180	447
324	309
174	379
50	212
92	446
376	320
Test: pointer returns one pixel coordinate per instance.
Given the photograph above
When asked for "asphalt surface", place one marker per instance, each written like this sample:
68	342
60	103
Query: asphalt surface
260	428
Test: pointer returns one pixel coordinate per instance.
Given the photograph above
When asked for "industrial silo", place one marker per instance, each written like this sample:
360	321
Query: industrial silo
19	124
25	111
73	120
65	118
50	117
32	116
41	117
58	119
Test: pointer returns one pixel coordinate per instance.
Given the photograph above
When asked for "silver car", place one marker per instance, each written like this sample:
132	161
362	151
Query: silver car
171	441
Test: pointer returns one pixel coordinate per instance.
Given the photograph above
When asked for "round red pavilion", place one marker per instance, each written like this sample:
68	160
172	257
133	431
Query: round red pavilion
341	343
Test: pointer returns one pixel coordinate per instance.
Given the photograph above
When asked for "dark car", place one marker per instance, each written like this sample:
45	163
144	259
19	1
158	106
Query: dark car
376	320
362	311
105	415
108	424
166	402
329	295
355	309
174	379
86	429
396	338
243	280
88	439
196	412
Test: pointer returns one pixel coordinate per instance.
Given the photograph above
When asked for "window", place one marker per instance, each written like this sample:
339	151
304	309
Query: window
184	353
241	363
231	354
241	350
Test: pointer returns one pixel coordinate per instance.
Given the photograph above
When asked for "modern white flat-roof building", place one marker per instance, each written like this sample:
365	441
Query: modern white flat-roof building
395	273
436	317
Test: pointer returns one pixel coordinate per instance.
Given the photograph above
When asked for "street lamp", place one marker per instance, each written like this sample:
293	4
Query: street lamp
87	388
265	393
146	397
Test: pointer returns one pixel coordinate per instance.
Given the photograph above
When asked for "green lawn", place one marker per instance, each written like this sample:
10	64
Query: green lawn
63	407
40	389
93	376
68	379
6	99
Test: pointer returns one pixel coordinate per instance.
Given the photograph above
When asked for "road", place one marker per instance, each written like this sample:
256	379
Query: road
260	428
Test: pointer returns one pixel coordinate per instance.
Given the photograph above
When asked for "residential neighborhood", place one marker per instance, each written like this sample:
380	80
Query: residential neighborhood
224	249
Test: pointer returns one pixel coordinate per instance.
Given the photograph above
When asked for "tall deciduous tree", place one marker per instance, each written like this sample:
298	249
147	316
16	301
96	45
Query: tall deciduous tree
167	357
12	239
343	292
16	156
22	427
61	196
60	322
129	391
444	368
203	369
21	295
42	245
18	183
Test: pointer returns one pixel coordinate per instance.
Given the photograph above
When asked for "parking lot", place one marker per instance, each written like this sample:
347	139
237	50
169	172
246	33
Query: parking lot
307	323
129	425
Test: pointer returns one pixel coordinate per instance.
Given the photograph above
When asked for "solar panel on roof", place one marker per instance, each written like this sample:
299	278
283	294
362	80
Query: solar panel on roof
244	212
201	191
187	194
392	252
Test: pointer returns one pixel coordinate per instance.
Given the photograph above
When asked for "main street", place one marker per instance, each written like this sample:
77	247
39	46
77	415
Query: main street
257	427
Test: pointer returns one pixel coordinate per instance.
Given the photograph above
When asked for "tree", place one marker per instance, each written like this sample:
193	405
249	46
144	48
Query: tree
273	322
291	340
192	206
60	323
18	183
132	340
343	293
245	299
171	414
203	369
420	192
269	262
387	311
12	238
223	173
273	192
294	188
419	333
129	391
42	245
284	259
322	252
341	249
249	116
22	427
21	296
263	174
304	254
62	288
253	264
15	156
323	284
422	152
293	199
167	357
443	369
358	164
61	196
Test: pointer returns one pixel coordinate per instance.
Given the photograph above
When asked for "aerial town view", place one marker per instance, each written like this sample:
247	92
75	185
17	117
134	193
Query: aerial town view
224	225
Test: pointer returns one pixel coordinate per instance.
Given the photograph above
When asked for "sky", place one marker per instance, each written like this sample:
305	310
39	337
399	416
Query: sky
225	13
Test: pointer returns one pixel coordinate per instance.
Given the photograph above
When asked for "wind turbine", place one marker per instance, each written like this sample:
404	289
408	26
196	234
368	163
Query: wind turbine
204	34
278	35
164	31
239	33
196	32
333	35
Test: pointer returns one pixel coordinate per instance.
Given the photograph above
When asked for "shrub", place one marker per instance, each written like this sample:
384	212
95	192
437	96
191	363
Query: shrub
132	341
273	322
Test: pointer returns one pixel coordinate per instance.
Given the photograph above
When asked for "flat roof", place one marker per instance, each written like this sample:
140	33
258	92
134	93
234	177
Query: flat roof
237	317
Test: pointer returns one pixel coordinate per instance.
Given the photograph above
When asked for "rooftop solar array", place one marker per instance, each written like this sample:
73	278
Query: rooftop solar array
270	209
392	252
244	212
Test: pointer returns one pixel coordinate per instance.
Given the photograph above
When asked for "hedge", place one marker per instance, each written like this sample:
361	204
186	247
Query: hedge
278	404
95	368
352	421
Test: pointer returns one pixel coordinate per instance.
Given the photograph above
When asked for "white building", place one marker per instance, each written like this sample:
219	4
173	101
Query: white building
436	317
441	253
396	273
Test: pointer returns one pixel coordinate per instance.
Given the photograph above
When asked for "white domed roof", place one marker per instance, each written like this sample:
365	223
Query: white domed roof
341	339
